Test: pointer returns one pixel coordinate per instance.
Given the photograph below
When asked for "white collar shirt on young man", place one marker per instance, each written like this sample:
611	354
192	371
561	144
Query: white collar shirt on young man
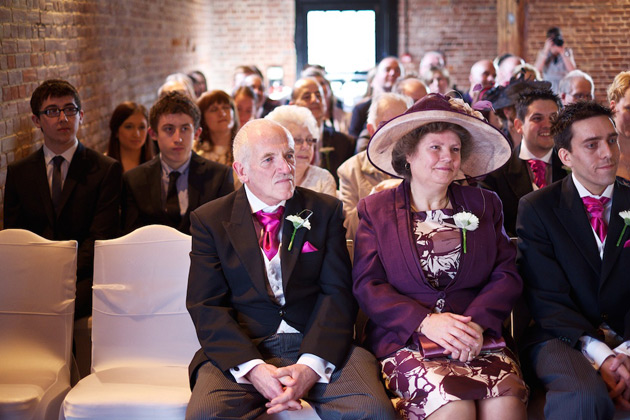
607	208
526	155
65	165
181	183
273	270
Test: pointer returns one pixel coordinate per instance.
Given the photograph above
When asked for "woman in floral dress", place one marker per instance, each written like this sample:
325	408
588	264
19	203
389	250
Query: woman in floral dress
434	270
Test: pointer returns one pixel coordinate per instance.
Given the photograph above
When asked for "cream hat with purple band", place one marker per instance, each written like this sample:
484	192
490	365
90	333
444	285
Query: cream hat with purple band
489	149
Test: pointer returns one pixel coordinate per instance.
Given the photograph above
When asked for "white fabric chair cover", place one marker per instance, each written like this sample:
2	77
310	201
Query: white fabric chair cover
37	290
142	335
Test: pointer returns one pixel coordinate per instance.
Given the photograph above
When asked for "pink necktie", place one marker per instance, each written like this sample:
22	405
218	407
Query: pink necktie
539	168
269	241
595	208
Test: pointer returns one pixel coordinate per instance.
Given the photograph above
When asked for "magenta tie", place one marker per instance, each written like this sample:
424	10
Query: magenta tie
595	208
269	241
539	168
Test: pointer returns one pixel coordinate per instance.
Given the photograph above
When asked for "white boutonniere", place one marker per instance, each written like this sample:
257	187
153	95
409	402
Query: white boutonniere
625	215
299	222
466	221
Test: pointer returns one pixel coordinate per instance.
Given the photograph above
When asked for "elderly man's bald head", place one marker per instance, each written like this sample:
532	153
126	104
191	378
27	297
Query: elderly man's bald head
482	73
255	130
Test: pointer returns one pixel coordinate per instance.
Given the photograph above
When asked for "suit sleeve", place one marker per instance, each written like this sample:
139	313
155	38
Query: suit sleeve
11	218
381	302
496	299
329	330
129	209
547	289
208	301
227	186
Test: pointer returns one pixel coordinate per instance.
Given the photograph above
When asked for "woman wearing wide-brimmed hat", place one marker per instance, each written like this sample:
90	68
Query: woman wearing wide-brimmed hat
434	270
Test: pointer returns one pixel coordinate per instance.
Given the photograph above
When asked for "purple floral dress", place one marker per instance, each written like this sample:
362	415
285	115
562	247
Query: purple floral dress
425	385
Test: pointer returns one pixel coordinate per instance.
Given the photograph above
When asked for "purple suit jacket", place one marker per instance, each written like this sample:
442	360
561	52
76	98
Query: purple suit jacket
389	283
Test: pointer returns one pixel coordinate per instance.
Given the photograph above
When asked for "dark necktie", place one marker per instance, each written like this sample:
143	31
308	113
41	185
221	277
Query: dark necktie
539	169
56	183
271	222
595	208
172	199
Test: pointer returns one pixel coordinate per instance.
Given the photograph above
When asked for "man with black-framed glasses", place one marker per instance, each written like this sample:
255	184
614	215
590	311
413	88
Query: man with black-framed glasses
64	190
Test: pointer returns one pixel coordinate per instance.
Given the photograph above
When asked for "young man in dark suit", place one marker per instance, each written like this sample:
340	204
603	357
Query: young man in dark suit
574	257
167	188
271	299
64	190
534	164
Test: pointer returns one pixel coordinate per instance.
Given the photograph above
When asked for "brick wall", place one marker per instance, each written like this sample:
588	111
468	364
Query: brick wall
597	31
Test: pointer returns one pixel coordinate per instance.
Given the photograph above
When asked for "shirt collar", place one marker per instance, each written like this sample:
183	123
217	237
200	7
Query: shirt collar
67	155
608	192
257	204
182	169
525	154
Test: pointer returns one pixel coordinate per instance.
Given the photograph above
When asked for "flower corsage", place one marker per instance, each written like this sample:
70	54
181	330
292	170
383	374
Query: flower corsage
466	221
625	215
299	222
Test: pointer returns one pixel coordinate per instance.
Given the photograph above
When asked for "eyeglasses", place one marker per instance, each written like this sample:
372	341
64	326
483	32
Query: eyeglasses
309	142
69	111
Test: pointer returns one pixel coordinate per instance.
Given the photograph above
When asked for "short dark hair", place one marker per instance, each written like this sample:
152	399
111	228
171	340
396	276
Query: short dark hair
211	98
526	98
581	110
55	88
174	103
120	114
406	145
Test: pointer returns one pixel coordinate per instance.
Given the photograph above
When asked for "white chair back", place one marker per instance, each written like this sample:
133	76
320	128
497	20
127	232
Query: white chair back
37	282
139	312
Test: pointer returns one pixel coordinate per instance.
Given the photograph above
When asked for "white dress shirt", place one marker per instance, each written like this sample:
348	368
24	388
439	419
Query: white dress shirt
181	184
65	165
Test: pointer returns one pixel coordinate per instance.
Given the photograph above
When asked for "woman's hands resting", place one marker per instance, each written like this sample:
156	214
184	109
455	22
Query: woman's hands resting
457	334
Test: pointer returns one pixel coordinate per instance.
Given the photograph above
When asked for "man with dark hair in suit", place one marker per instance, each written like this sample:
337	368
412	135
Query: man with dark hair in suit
574	257
534	164
270	294
64	190
167	188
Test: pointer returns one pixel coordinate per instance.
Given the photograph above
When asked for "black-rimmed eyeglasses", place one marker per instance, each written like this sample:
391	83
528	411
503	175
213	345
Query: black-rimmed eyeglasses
69	111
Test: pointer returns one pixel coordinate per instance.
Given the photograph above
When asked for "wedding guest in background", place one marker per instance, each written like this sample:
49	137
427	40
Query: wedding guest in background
167	188
303	128
411	87
433	269
336	117
438	80
431	59
505	65
219	123
265	104
555	60
576	86
177	82
200	85
245	101
64	190
482	73
619	98
128	140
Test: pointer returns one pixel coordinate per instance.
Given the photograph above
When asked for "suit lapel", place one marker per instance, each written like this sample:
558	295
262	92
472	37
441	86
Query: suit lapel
153	184
77	170
620	202
195	181
240	230
288	258
41	178
571	214
517	175
406	244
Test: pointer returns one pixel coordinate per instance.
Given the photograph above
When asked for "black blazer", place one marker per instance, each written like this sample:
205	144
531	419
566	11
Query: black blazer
227	287
569	289
142	192
89	207
511	182
358	121
344	150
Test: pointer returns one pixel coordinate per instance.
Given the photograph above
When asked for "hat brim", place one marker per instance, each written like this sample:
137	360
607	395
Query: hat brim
488	151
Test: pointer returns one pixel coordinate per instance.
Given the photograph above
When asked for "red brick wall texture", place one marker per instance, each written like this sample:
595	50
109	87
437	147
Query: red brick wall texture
116	50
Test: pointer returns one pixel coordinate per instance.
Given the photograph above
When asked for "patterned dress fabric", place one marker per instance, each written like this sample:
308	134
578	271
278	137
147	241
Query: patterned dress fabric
425	385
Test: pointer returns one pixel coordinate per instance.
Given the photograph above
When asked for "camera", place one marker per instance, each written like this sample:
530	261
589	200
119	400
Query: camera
558	40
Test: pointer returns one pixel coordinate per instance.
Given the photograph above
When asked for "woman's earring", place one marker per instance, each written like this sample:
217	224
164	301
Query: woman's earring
407	167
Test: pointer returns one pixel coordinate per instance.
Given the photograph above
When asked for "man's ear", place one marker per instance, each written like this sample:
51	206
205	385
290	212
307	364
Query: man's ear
35	120
198	133
371	129
565	157
612	105
152	134
239	168
518	125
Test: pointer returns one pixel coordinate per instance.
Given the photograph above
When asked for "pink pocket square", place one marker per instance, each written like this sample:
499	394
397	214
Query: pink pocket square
308	248
625	245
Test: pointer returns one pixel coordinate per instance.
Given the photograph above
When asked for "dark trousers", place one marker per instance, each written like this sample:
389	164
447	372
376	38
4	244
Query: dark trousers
354	392
574	389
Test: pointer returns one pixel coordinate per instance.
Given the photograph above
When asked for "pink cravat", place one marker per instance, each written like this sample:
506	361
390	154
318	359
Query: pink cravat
539	168
269	241
595	208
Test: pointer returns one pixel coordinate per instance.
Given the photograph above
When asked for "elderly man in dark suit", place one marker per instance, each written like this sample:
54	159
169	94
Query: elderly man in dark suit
64	190
270	295
166	189
534	163
574	257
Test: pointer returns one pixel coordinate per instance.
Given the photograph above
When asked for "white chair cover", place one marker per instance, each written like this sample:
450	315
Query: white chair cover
37	282
143	337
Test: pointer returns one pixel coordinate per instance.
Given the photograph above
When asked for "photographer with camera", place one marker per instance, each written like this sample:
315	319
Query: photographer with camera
555	60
